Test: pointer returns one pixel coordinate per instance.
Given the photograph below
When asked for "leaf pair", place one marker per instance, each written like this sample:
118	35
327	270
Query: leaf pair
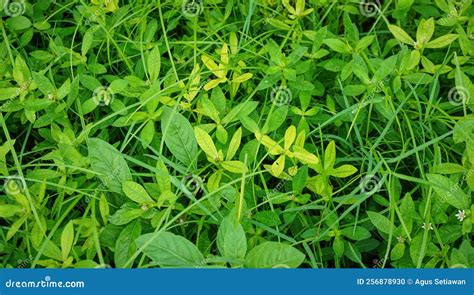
423	36
206	143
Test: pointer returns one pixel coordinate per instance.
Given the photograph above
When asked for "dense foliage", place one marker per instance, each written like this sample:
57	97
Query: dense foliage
259	133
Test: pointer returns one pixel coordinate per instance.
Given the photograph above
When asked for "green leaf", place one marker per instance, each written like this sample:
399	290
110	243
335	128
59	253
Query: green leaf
234	166
398	251
401	35
87	41
381	222
7	211
338	246
448	168
442	41
18	23
67	239
104	208
275	119
136	192
416	248
204	140
354	90
109	163
125	246
449	191
343	171
154	63
21	72
267	217
234	144
44	85
170	250
9	92
299	180
231	239
52	251
425	30
125	215
274	255
337	45
330	156
356	233
148	132
179	137
239	111
276	23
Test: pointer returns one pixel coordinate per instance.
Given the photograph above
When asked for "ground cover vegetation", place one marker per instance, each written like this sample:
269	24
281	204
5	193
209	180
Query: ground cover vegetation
238	133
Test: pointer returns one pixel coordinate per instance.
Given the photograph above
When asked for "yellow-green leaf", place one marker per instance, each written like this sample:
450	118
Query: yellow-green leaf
234	144
104	208
234	166
242	78
304	156
442	41
330	155
67	239
290	135
273	147
278	166
136	192
213	83
343	171
401	35
204	140
425	31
